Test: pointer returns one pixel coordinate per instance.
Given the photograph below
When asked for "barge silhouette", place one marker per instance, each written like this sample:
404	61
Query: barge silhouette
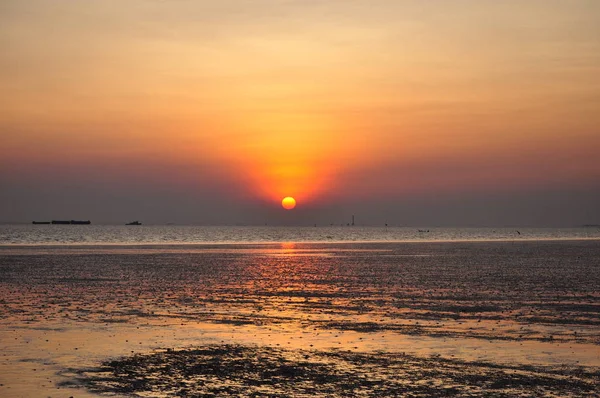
71	222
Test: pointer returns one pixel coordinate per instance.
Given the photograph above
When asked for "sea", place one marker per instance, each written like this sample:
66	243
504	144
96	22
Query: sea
28	234
344	311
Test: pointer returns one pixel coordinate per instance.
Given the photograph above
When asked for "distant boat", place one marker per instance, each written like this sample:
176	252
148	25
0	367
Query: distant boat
40	222
134	223
71	222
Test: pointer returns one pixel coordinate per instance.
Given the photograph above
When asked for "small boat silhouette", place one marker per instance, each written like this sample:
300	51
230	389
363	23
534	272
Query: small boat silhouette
134	223
72	222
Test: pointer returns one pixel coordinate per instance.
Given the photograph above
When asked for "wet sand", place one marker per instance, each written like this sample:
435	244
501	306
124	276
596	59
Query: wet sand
408	319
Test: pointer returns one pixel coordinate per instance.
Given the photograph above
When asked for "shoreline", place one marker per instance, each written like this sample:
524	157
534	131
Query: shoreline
298	242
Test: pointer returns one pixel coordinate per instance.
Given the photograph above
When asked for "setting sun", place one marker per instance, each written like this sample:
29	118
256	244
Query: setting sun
288	203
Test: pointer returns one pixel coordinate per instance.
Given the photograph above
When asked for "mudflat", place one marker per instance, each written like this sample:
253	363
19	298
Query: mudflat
356	319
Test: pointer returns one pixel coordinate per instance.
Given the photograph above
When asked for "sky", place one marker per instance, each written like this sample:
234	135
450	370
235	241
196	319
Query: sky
413	113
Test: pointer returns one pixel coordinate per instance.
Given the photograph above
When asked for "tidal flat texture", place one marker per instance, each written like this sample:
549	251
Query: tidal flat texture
232	370
360	319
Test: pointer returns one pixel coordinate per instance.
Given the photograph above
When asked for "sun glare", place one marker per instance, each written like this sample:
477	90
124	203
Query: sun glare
288	203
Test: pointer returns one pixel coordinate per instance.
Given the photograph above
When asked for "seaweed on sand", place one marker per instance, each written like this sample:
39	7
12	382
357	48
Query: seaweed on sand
258	371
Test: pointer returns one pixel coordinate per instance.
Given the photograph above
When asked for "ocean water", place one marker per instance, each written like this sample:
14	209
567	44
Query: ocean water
177	234
509	318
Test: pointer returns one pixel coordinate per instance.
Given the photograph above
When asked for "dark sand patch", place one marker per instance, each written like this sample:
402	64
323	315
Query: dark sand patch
252	371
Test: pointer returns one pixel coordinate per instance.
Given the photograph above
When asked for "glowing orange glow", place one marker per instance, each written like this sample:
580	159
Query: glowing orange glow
290	152
288	203
329	112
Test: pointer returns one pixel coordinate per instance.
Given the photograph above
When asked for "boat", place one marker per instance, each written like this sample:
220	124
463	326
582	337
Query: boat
71	222
134	223
40	222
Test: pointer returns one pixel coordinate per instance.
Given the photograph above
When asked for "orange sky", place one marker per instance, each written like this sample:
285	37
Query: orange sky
317	100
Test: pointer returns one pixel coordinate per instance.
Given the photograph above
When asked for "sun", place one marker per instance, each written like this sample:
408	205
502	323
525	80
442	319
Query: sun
288	203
